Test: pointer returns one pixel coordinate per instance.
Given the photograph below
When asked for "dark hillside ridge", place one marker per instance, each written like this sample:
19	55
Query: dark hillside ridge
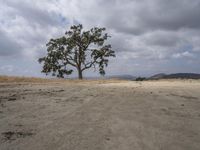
176	76
154	77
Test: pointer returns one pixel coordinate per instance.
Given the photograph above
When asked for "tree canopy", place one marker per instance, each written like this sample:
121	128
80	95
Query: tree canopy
77	49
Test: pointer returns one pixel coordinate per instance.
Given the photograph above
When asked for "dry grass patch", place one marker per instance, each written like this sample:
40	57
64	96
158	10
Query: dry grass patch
14	79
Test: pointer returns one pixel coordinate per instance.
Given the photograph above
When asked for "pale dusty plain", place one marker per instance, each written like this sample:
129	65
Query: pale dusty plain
99	115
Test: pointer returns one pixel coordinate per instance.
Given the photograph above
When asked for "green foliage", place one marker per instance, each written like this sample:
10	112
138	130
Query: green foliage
79	49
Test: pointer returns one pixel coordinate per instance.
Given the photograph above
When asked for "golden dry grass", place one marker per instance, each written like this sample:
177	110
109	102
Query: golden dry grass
15	79
11	79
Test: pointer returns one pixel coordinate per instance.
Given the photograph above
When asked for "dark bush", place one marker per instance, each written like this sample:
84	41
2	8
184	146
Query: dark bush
140	79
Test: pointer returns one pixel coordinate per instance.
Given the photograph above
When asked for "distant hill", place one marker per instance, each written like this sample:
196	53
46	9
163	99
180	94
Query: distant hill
122	77
176	76
119	77
158	76
154	77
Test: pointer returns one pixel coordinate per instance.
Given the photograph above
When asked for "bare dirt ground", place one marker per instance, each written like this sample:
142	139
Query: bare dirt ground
100	115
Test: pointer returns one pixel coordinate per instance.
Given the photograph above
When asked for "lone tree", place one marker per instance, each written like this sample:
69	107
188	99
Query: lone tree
77	49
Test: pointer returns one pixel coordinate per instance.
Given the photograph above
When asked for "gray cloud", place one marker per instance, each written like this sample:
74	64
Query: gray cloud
165	39
149	36
8	47
139	17
35	14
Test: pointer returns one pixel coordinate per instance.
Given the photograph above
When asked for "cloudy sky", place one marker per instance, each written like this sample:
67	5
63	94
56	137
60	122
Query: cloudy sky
149	36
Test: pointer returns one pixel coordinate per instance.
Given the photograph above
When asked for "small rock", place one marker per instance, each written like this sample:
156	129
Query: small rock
164	109
11	135
12	99
108	139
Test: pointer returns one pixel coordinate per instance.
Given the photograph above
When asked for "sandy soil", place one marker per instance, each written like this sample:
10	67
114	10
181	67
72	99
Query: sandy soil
150	115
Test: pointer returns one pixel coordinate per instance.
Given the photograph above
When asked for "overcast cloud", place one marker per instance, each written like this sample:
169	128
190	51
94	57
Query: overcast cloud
149	36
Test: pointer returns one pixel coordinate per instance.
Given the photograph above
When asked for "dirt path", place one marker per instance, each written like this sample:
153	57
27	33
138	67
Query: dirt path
159	115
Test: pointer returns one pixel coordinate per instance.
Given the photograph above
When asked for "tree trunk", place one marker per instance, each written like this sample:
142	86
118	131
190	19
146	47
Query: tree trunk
80	74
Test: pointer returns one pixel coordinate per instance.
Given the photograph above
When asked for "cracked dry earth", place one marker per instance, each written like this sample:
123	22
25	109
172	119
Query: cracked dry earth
150	115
